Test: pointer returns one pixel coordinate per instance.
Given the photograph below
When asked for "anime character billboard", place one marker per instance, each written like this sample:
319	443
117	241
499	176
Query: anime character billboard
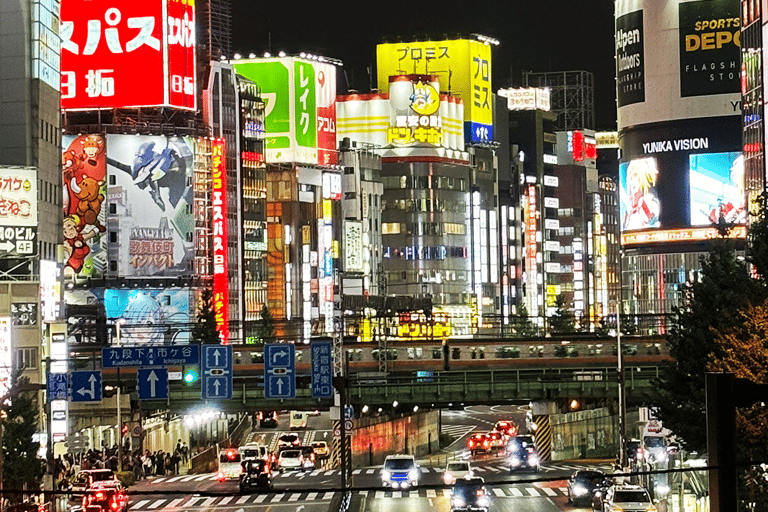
640	206
151	187
717	188
83	163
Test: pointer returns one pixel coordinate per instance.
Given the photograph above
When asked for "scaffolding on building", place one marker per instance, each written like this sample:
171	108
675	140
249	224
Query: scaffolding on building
572	97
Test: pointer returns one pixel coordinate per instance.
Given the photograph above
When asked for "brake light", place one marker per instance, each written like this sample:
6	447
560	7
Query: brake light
114	505
471	443
100	495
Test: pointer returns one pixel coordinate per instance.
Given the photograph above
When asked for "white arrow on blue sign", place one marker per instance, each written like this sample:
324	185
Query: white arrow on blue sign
279	371
153	383
217	372
86	386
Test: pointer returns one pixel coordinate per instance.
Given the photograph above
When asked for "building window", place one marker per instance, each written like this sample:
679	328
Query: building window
27	358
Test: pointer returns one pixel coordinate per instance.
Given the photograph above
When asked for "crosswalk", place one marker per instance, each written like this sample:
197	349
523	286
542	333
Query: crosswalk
202	502
485	469
457	431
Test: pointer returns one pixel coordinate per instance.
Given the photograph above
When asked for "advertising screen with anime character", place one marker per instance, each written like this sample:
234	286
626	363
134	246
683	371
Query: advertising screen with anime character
151	188
83	163
146	316
640	207
717	189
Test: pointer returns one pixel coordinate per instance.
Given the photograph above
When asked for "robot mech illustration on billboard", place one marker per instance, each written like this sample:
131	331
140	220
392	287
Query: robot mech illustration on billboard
151	187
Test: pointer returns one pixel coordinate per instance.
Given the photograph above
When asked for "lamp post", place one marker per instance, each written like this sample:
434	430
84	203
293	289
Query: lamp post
622	383
117	396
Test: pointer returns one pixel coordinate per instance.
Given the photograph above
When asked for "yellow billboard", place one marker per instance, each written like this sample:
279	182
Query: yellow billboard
463	67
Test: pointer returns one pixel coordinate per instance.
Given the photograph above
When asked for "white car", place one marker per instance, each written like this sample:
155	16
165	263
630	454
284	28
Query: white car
400	471
457	470
291	460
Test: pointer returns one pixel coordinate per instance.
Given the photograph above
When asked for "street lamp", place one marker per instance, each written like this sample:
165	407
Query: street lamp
119	429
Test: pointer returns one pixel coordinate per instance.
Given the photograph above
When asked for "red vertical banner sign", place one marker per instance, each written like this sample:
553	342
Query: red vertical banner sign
219	225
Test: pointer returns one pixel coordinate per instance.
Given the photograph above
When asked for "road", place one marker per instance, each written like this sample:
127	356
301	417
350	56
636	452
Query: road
313	491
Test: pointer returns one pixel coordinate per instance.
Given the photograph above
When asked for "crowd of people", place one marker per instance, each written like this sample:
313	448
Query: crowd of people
143	465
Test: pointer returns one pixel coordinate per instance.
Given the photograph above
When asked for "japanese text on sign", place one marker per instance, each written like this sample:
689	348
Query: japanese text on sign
321	370
220	237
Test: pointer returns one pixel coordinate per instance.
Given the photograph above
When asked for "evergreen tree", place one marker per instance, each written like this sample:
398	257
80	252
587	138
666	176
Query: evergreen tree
563	320
205	331
265	326
524	327
710	305
22	469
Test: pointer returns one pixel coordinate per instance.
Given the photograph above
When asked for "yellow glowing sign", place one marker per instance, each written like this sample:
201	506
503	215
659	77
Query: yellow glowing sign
463	68
678	235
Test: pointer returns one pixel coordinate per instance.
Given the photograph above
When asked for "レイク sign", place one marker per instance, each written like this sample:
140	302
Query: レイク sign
128	54
219	221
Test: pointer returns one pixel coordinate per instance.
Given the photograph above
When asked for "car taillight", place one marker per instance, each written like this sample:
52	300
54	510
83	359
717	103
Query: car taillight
114	505
486	443
471	443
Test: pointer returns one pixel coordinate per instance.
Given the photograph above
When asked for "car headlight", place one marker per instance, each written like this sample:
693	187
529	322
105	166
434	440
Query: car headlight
579	490
515	461
458	501
483	501
385	475
662	489
448	478
413	475
533	460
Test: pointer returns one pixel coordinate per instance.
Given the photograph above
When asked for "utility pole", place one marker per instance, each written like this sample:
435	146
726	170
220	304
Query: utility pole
623	456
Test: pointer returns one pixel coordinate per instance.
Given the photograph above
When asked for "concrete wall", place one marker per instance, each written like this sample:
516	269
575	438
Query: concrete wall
585	434
375	438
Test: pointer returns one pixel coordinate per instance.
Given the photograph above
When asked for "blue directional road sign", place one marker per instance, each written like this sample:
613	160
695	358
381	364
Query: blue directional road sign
279	371
86	386
322	371
217	372
153	383
174	355
58	385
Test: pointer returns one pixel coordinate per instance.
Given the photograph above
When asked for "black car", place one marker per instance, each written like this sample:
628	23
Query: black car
469	494
583	484
256	475
522	453
267	419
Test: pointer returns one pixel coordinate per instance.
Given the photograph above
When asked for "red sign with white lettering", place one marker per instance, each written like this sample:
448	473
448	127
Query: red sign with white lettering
118	54
220	237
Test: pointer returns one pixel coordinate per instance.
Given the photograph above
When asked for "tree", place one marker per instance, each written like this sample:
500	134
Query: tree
205	331
711	304
265	326
21	469
523	327
563	320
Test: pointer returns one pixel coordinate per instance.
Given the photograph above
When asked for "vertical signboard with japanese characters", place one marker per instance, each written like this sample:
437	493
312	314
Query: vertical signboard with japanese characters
300	99
18	212
151	190
322	386
6	359
127	54
325	87
220	236
46	42
84	171
463	67
630	59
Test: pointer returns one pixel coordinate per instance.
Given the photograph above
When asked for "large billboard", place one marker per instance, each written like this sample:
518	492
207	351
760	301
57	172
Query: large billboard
18	211
150	186
128	54
710	52
463	67
412	121
84	171
693	61
300	118
681	175
630	61
146	316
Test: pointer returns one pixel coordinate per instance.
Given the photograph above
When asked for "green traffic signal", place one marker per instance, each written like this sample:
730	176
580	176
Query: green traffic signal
191	374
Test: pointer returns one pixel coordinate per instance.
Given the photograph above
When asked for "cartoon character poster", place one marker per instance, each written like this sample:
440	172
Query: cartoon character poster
83	180
151	188
717	188
640	206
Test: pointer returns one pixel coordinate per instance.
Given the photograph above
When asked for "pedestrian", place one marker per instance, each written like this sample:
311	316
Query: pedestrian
159	463
184	453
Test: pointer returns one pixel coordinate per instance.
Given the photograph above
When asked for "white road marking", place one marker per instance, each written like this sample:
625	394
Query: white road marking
549	491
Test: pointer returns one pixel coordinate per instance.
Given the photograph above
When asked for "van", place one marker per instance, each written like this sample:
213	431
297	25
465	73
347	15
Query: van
229	464
253	451
298	419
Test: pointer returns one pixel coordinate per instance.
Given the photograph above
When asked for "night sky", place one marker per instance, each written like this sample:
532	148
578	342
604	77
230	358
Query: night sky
535	35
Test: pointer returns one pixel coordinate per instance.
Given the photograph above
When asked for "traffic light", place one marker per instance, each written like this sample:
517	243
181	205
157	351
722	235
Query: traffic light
191	373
